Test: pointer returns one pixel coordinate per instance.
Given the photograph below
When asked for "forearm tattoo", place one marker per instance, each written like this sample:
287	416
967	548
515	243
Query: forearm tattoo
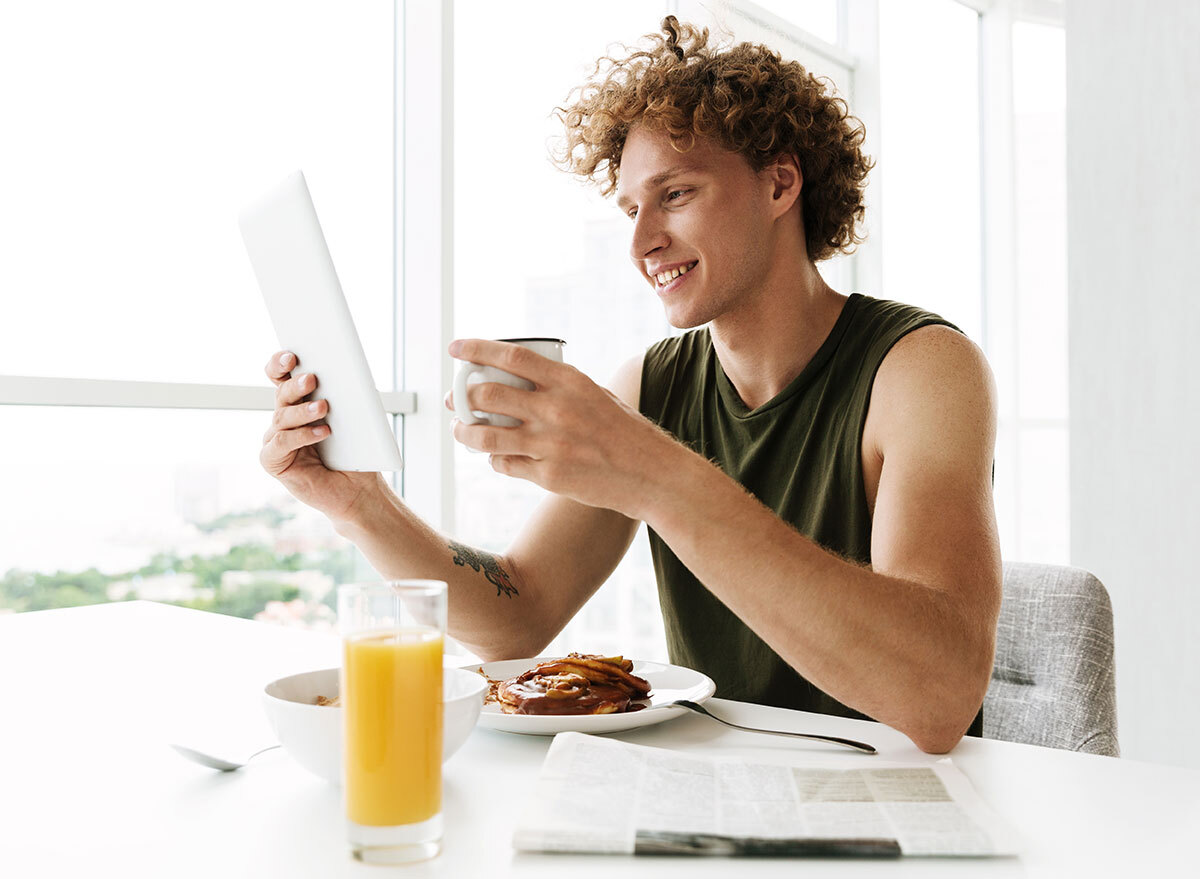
487	563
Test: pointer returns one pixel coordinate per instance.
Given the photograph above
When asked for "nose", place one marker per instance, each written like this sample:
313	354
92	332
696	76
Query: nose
649	235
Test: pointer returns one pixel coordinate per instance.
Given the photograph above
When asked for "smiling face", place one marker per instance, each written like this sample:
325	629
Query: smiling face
702	224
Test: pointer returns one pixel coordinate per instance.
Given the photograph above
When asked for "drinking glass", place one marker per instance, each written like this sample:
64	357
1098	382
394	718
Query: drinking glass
391	693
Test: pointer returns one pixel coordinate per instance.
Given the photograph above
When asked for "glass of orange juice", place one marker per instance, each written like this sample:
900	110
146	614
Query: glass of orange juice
391	694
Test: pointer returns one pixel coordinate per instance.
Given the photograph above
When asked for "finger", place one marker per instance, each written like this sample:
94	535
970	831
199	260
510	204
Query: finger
486	438
295	389
518	466
499	399
507	356
287	417
276	454
448	400
280	364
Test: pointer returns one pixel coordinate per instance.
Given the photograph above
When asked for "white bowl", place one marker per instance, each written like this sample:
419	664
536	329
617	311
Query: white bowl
312	734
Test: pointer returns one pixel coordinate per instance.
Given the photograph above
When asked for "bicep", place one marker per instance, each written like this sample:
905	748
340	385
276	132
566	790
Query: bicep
935	428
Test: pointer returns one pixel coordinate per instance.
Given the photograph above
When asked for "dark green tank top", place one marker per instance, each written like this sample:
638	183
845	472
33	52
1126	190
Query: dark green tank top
800	454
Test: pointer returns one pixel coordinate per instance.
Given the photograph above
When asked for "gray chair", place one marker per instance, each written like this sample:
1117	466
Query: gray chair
1053	678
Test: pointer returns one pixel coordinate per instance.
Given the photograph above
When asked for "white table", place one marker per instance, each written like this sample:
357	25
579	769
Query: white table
88	787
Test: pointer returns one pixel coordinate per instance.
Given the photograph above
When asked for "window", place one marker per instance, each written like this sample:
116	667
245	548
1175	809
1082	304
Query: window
128	151
125	160
817	17
1033	425
928	159
158	504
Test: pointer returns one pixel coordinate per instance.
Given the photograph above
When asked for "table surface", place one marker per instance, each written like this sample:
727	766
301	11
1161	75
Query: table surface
88	786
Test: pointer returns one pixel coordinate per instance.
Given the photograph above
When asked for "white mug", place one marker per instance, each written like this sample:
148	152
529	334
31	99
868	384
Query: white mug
549	348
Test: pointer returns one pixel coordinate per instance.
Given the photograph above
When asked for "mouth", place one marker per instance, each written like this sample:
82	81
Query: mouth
670	277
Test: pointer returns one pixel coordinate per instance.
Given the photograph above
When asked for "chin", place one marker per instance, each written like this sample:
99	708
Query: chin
685	324
683	319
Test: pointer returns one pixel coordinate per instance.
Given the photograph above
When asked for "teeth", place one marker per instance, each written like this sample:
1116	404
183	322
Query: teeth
667	277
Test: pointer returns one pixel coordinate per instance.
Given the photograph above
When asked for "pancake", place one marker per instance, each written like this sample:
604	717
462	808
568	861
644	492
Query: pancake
577	684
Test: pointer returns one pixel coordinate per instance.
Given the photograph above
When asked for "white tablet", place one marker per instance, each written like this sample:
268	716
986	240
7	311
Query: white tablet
296	275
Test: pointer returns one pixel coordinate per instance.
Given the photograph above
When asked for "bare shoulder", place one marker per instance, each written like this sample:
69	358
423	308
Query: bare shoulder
626	383
934	355
934	385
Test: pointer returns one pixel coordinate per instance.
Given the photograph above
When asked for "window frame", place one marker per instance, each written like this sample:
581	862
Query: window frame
1000	303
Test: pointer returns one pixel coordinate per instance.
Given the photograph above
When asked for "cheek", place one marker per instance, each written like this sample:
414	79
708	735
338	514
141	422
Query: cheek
734	239
744	256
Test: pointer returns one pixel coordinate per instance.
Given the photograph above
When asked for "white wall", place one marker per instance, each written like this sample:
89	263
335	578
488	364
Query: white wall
1133	189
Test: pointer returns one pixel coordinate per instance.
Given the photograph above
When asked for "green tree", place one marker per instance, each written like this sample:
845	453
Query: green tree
269	516
247	600
22	590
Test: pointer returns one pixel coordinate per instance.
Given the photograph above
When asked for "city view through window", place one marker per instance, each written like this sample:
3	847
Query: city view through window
160	505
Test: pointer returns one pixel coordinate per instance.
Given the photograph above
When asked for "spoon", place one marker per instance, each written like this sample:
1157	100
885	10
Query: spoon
217	762
833	740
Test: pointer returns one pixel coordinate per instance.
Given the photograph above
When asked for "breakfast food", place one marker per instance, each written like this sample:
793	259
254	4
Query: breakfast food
335	702
577	684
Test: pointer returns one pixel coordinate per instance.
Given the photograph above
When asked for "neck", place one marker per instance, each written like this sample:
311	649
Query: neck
773	334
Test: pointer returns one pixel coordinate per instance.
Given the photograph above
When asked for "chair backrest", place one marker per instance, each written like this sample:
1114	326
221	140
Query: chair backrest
1053	681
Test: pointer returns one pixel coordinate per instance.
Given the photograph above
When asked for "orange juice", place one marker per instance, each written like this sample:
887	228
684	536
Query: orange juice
392	715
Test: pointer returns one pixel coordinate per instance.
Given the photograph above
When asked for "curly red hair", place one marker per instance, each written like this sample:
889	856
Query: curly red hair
746	98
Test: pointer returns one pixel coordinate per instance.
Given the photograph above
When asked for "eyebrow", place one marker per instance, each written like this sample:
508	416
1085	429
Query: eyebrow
661	178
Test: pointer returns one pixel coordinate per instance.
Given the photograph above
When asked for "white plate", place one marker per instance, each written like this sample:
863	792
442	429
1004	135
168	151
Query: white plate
667	683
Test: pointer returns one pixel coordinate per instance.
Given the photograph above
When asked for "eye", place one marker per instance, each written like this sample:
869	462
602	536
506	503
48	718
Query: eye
631	213
677	194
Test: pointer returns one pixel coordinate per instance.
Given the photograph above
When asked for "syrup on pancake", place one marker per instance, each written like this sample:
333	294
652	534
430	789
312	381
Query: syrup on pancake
577	684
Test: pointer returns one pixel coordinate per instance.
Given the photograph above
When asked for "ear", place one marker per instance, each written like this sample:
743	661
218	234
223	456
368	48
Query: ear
786	182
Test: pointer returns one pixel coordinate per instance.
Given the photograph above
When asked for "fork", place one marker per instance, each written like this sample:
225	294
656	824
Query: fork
833	740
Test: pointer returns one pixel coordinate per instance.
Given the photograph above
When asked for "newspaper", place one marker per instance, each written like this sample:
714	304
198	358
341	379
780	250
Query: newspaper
606	796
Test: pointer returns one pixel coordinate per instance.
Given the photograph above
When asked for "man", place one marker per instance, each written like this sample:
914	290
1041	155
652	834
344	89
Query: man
814	469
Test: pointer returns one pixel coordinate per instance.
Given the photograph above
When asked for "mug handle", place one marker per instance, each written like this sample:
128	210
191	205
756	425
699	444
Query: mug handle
461	409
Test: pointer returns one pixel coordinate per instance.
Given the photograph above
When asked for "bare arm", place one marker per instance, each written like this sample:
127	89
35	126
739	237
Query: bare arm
910	640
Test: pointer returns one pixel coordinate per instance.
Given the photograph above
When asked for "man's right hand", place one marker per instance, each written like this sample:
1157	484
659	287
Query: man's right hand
289	445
